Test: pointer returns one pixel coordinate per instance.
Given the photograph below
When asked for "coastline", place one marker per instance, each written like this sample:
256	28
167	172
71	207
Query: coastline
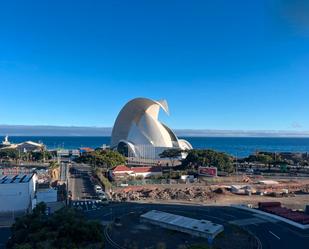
237	146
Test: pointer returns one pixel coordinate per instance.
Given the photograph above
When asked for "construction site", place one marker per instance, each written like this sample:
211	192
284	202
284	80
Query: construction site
292	192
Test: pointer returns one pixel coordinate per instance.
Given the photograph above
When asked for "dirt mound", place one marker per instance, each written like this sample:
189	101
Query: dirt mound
165	193
221	191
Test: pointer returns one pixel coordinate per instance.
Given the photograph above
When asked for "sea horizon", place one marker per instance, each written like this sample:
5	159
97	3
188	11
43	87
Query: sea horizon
237	146
93	131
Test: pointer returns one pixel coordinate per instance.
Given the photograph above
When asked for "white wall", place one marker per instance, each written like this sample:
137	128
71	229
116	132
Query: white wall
148	174
14	197
46	195
17	196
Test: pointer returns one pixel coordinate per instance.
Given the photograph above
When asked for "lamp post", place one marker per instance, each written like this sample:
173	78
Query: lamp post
236	166
236	163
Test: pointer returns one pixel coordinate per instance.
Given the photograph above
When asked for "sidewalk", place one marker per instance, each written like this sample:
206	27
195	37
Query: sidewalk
276	217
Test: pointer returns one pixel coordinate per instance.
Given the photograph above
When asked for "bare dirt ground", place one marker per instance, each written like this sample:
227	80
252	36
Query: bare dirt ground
217	192
295	202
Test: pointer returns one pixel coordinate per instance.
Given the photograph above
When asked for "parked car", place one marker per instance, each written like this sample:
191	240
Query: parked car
257	172
103	199
249	171
98	188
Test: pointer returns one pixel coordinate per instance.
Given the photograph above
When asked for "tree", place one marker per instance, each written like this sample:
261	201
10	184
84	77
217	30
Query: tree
264	159
53	165
172	154
220	160
65	229
14	154
106	159
40	155
199	247
101	176
9	154
161	245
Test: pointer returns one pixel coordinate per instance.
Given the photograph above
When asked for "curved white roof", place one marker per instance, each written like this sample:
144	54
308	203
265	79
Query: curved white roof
138	124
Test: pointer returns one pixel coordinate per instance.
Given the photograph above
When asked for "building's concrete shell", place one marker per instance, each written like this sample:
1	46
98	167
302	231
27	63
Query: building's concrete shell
137	126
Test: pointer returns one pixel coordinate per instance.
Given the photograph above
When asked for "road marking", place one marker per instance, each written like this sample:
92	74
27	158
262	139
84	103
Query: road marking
293	231
274	235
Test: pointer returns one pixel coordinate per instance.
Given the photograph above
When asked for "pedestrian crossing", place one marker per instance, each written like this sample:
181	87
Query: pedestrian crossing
88	205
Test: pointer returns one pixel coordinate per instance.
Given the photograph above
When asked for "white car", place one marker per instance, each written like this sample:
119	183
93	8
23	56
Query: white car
249	171
98	188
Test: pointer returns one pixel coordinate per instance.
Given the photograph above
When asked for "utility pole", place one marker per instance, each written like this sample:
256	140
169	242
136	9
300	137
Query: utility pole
67	183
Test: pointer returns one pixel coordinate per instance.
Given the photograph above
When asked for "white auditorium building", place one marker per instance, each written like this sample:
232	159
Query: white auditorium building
138	133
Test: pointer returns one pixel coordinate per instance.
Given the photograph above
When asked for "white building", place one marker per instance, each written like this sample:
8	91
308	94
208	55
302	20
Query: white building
138	133
48	195
26	146
146	172
5	142
199	228
30	146
123	171
17	192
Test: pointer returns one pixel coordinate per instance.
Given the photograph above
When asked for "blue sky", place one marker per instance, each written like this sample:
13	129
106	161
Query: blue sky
220	64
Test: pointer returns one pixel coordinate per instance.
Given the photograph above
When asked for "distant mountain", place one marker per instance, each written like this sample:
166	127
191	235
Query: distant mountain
27	130
41	130
240	133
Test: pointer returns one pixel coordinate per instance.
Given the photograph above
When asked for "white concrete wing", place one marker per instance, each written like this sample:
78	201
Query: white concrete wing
137	125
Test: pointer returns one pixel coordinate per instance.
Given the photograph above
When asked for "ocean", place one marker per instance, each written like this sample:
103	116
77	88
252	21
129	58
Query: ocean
240	146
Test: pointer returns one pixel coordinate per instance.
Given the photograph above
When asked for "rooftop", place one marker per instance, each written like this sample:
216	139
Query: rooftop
31	143
202	228
121	168
86	149
21	178
146	169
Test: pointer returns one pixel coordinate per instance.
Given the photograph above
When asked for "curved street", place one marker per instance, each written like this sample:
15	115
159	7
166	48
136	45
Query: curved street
270	233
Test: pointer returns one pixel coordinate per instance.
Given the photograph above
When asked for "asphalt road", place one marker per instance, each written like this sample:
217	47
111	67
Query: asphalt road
270	233
63	172
80	183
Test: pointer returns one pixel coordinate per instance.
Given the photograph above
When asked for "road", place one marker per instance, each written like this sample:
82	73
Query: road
63	172
270	233
80	183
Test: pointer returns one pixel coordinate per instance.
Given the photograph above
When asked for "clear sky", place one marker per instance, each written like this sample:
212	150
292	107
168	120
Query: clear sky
220	64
